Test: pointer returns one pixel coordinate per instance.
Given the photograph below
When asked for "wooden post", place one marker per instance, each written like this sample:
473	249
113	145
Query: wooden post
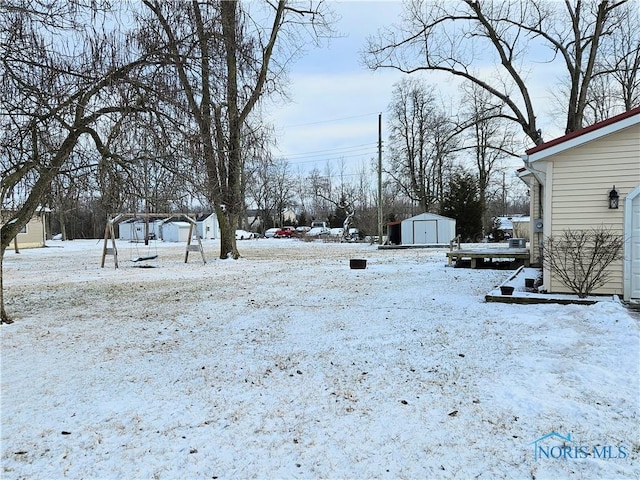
104	245
204	260
186	253
109	232
193	248
113	245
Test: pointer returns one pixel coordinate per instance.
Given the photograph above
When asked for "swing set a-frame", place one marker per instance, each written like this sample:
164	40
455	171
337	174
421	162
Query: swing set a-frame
109	234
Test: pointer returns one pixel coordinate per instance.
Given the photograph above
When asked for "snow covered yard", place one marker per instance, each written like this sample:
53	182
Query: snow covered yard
287	364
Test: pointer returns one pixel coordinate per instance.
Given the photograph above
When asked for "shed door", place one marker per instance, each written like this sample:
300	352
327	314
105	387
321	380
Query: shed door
635	248
425	231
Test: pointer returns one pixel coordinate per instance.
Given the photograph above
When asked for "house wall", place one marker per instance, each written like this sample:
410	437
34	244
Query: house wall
34	235
208	228
289	217
135	230
581	179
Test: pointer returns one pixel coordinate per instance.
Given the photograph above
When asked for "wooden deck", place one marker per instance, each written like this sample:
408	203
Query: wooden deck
475	254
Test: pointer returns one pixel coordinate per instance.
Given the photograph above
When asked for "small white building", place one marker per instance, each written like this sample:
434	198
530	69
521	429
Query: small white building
133	229
175	231
208	227
427	229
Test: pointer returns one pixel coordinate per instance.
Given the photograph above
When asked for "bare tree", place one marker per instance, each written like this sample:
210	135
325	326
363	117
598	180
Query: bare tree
282	188
601	101
318	189
619	68
615	85
270	187
454	37
223	54
422	143
580	258
488	138
60	85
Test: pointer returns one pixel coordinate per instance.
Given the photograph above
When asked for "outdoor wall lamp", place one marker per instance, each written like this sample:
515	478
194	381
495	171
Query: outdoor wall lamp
613	198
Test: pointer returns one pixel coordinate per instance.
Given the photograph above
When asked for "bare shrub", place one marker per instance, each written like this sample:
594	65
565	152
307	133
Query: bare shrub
579	258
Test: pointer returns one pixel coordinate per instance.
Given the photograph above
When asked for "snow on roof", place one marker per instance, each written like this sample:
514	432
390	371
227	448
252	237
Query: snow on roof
428	215
506	223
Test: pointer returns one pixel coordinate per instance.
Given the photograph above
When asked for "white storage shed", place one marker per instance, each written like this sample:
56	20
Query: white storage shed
133	229
427	229
175	231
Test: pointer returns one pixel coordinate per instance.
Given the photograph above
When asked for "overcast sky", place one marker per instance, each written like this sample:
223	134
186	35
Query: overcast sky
335	100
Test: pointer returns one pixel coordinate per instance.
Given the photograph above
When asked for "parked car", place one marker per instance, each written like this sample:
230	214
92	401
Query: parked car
286	232
318	231
244	235
302	229
271	232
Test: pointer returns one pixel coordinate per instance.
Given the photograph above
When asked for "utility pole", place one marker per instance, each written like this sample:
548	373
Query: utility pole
380	229
504	195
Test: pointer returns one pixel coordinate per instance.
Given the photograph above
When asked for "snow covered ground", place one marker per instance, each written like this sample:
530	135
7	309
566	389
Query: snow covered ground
288	364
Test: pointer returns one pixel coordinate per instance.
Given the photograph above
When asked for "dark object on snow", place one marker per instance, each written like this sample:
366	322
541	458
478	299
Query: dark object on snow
357	264
506	290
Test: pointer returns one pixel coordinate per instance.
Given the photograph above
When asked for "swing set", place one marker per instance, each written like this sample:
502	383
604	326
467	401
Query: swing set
109	234
135	241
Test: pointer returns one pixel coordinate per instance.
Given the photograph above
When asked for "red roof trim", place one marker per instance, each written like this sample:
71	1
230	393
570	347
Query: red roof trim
578	133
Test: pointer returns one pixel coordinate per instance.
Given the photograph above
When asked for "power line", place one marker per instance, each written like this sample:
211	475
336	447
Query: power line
334	154
333	157
331	120
330	150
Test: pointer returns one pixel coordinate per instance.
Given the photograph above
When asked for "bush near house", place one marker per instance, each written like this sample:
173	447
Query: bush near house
579	258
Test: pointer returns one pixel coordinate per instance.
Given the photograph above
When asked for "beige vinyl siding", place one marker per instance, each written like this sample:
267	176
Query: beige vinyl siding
582	178
34	237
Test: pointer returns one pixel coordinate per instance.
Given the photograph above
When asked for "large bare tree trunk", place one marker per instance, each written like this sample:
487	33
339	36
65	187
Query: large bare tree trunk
223	71
234	199
22	216
46	125
4	318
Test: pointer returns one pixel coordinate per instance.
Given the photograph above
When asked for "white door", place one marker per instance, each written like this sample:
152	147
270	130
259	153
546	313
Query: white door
635	248
425	231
